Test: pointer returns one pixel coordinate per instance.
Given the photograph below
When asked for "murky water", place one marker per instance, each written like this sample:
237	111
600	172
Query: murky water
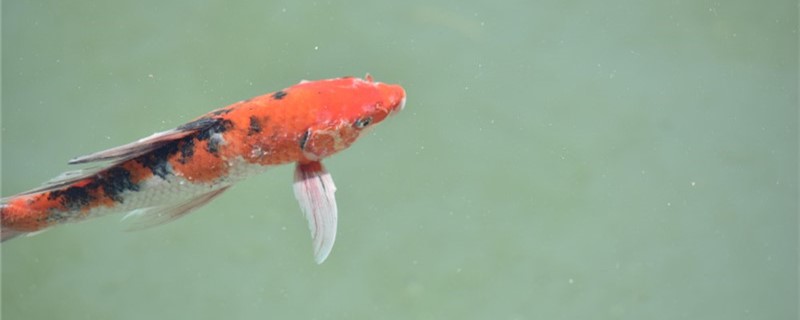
556	160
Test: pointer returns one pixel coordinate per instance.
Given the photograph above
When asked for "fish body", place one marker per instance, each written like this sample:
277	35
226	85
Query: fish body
168	174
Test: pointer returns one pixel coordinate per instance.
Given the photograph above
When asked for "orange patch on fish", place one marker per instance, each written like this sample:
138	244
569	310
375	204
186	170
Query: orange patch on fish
203	166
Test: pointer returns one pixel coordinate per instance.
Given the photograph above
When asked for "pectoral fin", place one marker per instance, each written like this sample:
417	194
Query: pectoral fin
314	190
153	216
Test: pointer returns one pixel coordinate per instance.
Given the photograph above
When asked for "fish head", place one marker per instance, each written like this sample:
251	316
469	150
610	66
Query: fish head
347	109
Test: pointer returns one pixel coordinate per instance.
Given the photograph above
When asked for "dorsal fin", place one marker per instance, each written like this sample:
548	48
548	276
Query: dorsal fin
145	145
123	153
66	179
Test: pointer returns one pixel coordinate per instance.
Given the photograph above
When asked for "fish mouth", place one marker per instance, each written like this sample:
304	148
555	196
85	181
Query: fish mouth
397	108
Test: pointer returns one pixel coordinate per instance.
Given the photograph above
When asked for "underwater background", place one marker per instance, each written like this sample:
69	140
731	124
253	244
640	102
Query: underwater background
555	160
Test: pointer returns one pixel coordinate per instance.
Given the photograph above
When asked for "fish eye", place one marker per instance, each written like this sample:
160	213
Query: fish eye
363	122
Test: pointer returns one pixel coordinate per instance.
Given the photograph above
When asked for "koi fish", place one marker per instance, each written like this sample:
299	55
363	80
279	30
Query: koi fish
163	177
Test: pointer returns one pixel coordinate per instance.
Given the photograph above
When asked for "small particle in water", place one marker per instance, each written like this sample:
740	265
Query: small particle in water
571	281
151	76
283	228
316	48
693	183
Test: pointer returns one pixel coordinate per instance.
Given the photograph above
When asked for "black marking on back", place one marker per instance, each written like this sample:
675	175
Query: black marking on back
113	181
72	198
156	160
198	124
116	181
304	139
279	95
219	126
213	145
186	149
255	126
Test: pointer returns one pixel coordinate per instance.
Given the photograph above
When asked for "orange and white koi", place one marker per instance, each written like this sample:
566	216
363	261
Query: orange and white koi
168	174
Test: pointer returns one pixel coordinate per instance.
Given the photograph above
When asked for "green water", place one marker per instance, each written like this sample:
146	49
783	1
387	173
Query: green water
556	159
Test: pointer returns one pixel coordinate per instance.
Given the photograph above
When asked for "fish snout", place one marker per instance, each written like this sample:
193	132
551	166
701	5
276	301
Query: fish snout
396	97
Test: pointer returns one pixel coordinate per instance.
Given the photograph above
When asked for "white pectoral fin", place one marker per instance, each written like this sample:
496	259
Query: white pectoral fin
314	190
153	216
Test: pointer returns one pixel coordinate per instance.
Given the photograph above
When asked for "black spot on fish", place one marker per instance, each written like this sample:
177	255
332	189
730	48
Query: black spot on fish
304	139
113	181
279	95
116	181
209	133
156	160
255	126
186	149
213	144
217	126
72	198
